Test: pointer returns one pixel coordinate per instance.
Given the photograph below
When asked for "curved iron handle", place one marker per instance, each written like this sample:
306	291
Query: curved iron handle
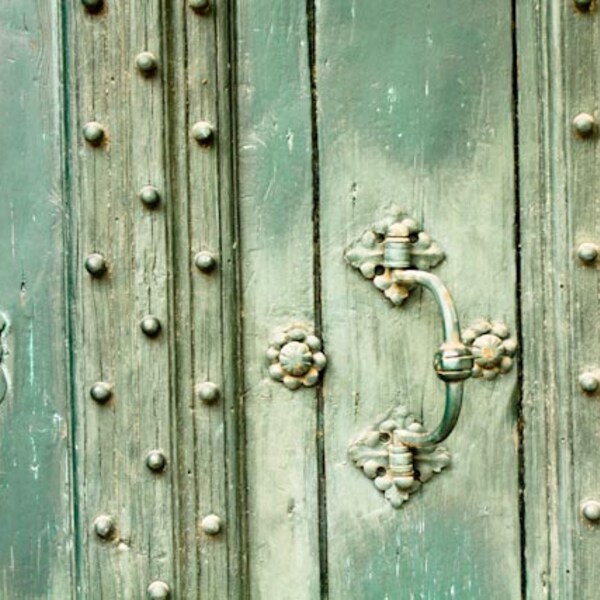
453	362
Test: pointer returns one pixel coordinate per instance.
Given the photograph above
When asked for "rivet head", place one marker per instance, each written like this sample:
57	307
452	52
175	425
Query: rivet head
205	261
93	133
208	392
587	252
95	264
101	392
156	461
584	125
583	5
211	524
203	132
199	5
589	382
104	526
150	196
159	590
590	509
146	63
151	326
93	6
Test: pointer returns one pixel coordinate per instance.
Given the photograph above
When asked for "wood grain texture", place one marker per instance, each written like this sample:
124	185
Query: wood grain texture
205	306
36	552
415	109
275	196
559	210
112	440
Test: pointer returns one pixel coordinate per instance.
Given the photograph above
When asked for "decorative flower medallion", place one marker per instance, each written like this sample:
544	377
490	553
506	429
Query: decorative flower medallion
367	253
395	469
295	356
492	348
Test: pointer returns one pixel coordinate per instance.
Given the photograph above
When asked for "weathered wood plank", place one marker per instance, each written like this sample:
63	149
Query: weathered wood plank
36	552
108	217
275	195
205	307
415	109
559	59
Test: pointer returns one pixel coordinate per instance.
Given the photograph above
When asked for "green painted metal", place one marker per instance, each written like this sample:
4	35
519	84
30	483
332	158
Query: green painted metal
181	183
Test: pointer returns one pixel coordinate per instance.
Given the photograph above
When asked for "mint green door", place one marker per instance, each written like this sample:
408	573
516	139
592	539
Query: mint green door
298	300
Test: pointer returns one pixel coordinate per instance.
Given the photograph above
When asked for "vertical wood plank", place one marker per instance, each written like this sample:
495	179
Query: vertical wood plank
415	110
559	59
275	195
205	305
108	217
36	553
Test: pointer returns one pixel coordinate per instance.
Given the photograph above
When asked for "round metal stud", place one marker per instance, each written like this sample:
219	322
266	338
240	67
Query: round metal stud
156	461
200	6
159	590
104	526
584	125
93	6
590	509
101	392
93	133
589	382
583	5
211	524
203	132
149	196
150	326
208	392
205	261
95	264
587	252
146	63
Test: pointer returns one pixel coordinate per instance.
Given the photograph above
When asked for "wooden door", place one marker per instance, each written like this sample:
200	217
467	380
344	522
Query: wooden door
220	227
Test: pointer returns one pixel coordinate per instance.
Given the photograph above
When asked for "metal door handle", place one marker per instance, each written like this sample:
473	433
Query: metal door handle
398	454
453	362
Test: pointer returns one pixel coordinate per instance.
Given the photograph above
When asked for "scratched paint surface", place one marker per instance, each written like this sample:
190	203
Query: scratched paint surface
34	475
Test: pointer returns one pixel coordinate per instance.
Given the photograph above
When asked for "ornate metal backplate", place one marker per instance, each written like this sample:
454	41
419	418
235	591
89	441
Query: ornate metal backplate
395	469
367	253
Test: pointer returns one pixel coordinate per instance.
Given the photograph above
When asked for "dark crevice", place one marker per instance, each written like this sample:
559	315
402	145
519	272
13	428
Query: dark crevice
69	295
517	245
311	17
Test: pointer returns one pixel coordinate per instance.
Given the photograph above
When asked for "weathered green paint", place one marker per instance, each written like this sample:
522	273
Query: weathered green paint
209	168
415	109
276	207
36	536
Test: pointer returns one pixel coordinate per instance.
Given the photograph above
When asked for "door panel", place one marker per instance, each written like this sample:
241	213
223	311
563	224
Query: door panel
277	260
217	185
415	110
